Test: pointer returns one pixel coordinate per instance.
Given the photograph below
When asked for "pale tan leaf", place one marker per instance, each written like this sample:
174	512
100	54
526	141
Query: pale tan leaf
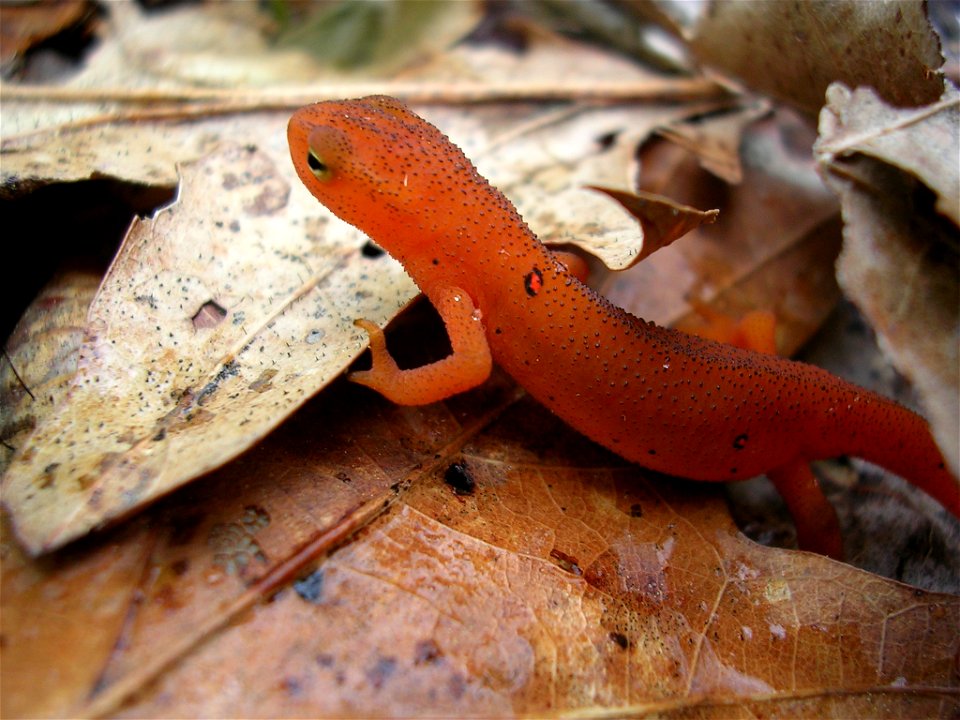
548	164
217	319
924	142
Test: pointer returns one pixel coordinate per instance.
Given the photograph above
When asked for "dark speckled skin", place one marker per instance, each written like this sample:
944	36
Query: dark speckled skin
666	400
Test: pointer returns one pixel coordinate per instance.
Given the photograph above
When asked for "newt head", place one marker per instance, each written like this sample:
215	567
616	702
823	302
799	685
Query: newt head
374	163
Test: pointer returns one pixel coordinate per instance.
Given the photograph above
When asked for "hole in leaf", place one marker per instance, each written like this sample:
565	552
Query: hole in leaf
209	315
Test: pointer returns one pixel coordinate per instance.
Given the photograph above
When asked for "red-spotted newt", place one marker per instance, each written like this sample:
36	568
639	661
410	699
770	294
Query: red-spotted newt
672	402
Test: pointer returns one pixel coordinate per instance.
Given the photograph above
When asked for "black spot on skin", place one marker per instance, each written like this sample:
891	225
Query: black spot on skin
457	476
740	441
636	511
533	282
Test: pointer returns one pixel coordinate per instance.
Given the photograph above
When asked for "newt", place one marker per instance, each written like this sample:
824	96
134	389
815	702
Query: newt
676	403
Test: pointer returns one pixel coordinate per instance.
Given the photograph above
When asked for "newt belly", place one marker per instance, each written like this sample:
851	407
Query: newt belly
669	401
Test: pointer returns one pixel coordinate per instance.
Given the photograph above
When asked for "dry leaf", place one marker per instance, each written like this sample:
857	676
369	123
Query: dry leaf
793	51
661	219
216	320
920	141
798	284
715	139
40	356
899	263
524	572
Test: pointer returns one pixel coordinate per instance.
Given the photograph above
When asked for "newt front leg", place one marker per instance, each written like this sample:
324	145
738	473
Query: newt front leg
466	367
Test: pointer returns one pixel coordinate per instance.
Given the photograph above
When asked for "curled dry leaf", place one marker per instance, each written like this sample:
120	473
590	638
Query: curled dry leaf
661	219
894	171
920	141
715	139
517	570
793	51
217	318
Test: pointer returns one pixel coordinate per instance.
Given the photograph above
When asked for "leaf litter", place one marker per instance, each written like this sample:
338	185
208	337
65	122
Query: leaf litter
533	543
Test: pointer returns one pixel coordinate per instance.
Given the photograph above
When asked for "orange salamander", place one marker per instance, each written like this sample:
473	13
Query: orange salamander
671	402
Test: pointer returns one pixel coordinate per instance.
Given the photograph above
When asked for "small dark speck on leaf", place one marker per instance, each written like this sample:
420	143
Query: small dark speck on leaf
607	140
383	669
566	562
292	686
371	250
426	651
310	588
620	639
458	477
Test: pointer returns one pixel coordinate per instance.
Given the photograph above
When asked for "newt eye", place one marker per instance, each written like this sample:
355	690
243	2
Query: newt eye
318	167
328	153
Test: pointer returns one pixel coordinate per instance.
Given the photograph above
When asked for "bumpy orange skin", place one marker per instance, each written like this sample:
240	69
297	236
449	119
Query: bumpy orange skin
672	402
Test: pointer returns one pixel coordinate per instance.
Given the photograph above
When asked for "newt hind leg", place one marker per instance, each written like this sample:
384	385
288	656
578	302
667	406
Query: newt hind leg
816	521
